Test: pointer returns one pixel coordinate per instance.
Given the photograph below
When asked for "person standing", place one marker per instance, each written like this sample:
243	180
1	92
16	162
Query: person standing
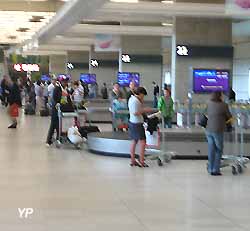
54	123
116	92
78	93
136	129
51	89
15	101
166	107
5	90
39	96
131	91
156	91
218	115
104	91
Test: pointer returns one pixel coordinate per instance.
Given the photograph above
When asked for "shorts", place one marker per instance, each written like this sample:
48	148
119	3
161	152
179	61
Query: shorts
136	131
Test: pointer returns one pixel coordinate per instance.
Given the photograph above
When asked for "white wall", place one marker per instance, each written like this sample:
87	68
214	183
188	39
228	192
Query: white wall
241	70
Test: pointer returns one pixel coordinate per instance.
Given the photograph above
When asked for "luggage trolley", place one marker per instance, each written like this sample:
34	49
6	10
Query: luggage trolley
63	134
237	161
154	148
120	114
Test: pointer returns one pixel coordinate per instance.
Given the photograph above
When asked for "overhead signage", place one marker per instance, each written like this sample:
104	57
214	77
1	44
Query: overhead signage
126	58
27	67
189	51
182	50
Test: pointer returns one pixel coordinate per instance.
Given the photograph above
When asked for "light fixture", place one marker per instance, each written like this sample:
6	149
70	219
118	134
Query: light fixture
166	24
125	1
167	2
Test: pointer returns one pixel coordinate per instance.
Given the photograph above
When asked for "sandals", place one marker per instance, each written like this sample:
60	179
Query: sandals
135	164
139	164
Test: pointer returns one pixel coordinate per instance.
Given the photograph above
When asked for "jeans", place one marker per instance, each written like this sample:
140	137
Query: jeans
155	102
215	150
167	122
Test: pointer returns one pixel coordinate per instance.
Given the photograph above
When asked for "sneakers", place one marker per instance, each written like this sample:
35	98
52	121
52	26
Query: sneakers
48	145
13	125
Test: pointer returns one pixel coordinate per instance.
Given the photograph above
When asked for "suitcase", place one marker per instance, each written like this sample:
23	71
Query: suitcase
44	112
85	130
29	110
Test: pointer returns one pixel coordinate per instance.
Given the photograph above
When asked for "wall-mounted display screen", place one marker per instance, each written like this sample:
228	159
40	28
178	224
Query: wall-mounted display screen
63	77
88	78
45	78
210	80
124	78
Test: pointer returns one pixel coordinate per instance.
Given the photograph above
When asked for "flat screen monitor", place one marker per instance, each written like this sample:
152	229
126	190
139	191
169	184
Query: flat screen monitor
210	80
124	78
45	78
88	78
63	77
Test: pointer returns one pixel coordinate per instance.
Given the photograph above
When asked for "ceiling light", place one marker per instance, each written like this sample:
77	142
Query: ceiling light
125	1
166	24
167	2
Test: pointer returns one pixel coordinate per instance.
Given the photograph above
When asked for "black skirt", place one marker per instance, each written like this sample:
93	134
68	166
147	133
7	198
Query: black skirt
136	131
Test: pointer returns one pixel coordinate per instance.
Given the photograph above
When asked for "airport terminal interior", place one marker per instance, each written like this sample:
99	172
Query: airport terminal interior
124	115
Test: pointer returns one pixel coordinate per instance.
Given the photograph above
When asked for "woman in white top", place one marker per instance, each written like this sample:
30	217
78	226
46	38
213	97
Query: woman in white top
136	129
78	93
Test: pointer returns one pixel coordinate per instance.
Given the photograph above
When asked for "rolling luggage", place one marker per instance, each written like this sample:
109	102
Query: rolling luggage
29	110
44	112
85	130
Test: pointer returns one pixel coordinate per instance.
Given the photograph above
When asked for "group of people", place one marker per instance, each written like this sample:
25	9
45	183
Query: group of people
63	93
137	111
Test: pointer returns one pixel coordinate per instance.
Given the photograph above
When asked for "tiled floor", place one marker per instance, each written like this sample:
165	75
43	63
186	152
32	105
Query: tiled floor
73	190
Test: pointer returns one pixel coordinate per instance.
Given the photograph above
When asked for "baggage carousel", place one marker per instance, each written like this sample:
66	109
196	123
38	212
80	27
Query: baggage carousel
186	143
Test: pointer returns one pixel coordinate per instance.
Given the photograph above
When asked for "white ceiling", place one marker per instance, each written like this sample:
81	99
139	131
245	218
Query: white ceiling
105	17
22	19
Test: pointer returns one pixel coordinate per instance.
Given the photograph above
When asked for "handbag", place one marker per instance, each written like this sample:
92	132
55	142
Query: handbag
203	120
14	112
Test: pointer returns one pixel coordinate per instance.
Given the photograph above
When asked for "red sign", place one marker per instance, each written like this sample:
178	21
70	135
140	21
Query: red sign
27	67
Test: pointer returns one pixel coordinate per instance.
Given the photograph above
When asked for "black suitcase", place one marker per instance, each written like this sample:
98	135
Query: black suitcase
44	112
85	130
29	110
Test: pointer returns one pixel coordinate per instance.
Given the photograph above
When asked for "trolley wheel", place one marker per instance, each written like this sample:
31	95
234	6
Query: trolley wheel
240	169
167	158
234	170
159	162
58	144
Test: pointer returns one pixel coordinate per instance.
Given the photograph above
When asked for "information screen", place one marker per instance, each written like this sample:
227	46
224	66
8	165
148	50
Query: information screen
45	78
210	80
124	78
88	78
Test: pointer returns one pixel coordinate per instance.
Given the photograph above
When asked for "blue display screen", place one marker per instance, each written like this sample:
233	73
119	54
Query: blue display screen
124	78
210	80
88	78
45	78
